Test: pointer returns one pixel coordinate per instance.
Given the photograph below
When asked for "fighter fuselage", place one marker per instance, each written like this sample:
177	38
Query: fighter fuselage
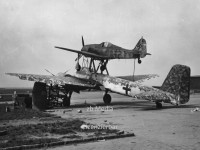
111	51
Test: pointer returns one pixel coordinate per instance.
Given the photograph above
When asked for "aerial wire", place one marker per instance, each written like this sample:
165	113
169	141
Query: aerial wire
134	70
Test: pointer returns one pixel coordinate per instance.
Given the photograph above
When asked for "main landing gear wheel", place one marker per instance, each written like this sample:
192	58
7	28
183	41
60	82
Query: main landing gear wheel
78	67
139	61
158	105
107	98
39	96
102	68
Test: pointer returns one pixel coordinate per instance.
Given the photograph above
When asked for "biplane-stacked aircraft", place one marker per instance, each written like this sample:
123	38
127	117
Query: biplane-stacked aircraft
175	89
106	51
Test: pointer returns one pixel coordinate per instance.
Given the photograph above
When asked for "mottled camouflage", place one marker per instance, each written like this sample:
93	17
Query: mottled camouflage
178	83
175	88
54	80
138	77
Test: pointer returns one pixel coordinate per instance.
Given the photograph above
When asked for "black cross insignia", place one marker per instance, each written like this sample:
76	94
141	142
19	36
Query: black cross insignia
126	89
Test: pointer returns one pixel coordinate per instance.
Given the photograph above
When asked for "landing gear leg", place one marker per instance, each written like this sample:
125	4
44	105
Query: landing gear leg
158	105
104	66
78	67
92	67
107	98
67	99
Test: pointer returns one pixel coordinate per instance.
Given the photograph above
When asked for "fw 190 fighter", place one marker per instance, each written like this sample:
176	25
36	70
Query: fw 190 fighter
175	89
106	51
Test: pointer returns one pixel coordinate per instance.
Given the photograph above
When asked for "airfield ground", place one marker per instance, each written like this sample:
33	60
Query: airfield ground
168	128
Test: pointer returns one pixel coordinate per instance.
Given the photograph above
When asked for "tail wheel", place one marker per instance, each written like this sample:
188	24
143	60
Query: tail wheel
107	98
158	105
66	101
139	61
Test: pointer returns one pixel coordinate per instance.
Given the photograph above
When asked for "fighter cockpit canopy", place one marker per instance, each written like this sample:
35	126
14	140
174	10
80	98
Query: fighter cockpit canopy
106	44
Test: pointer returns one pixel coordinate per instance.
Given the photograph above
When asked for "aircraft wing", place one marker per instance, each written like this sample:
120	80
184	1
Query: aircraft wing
87	54
56	80
139	78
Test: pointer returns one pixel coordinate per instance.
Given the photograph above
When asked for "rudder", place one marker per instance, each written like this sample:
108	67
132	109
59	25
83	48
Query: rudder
177	82
141	47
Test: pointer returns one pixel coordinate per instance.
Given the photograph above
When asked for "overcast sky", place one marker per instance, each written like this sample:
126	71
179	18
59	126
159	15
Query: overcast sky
29	30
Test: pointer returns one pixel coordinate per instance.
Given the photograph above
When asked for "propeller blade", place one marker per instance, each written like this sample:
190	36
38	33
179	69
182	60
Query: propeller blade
49	72
83	41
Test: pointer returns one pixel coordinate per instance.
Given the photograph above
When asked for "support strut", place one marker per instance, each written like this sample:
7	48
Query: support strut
104	66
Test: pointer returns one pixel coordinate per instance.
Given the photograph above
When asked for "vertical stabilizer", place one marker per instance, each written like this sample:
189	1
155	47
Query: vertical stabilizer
177	82
141	47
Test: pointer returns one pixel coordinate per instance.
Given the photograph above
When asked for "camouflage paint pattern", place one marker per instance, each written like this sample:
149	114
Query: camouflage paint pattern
54	80
175	89
106	50
178	80
137	77
112	51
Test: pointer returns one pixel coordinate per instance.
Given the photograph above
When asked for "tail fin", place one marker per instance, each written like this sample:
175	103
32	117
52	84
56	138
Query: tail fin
141	47
177	82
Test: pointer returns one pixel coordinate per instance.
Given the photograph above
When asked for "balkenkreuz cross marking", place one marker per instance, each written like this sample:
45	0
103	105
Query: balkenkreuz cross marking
126	89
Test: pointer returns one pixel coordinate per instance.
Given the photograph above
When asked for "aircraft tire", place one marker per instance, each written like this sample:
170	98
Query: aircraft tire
28	102
158	105
39	96
78	67
102	68
66	101
139	61
107	99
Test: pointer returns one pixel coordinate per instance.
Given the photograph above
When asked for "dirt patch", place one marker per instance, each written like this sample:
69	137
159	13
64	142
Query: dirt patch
64	130
20	113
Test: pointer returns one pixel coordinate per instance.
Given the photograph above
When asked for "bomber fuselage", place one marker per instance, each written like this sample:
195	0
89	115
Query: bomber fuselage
125	87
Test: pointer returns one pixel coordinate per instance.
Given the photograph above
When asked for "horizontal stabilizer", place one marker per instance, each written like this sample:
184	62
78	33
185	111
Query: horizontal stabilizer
155	96
138	77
